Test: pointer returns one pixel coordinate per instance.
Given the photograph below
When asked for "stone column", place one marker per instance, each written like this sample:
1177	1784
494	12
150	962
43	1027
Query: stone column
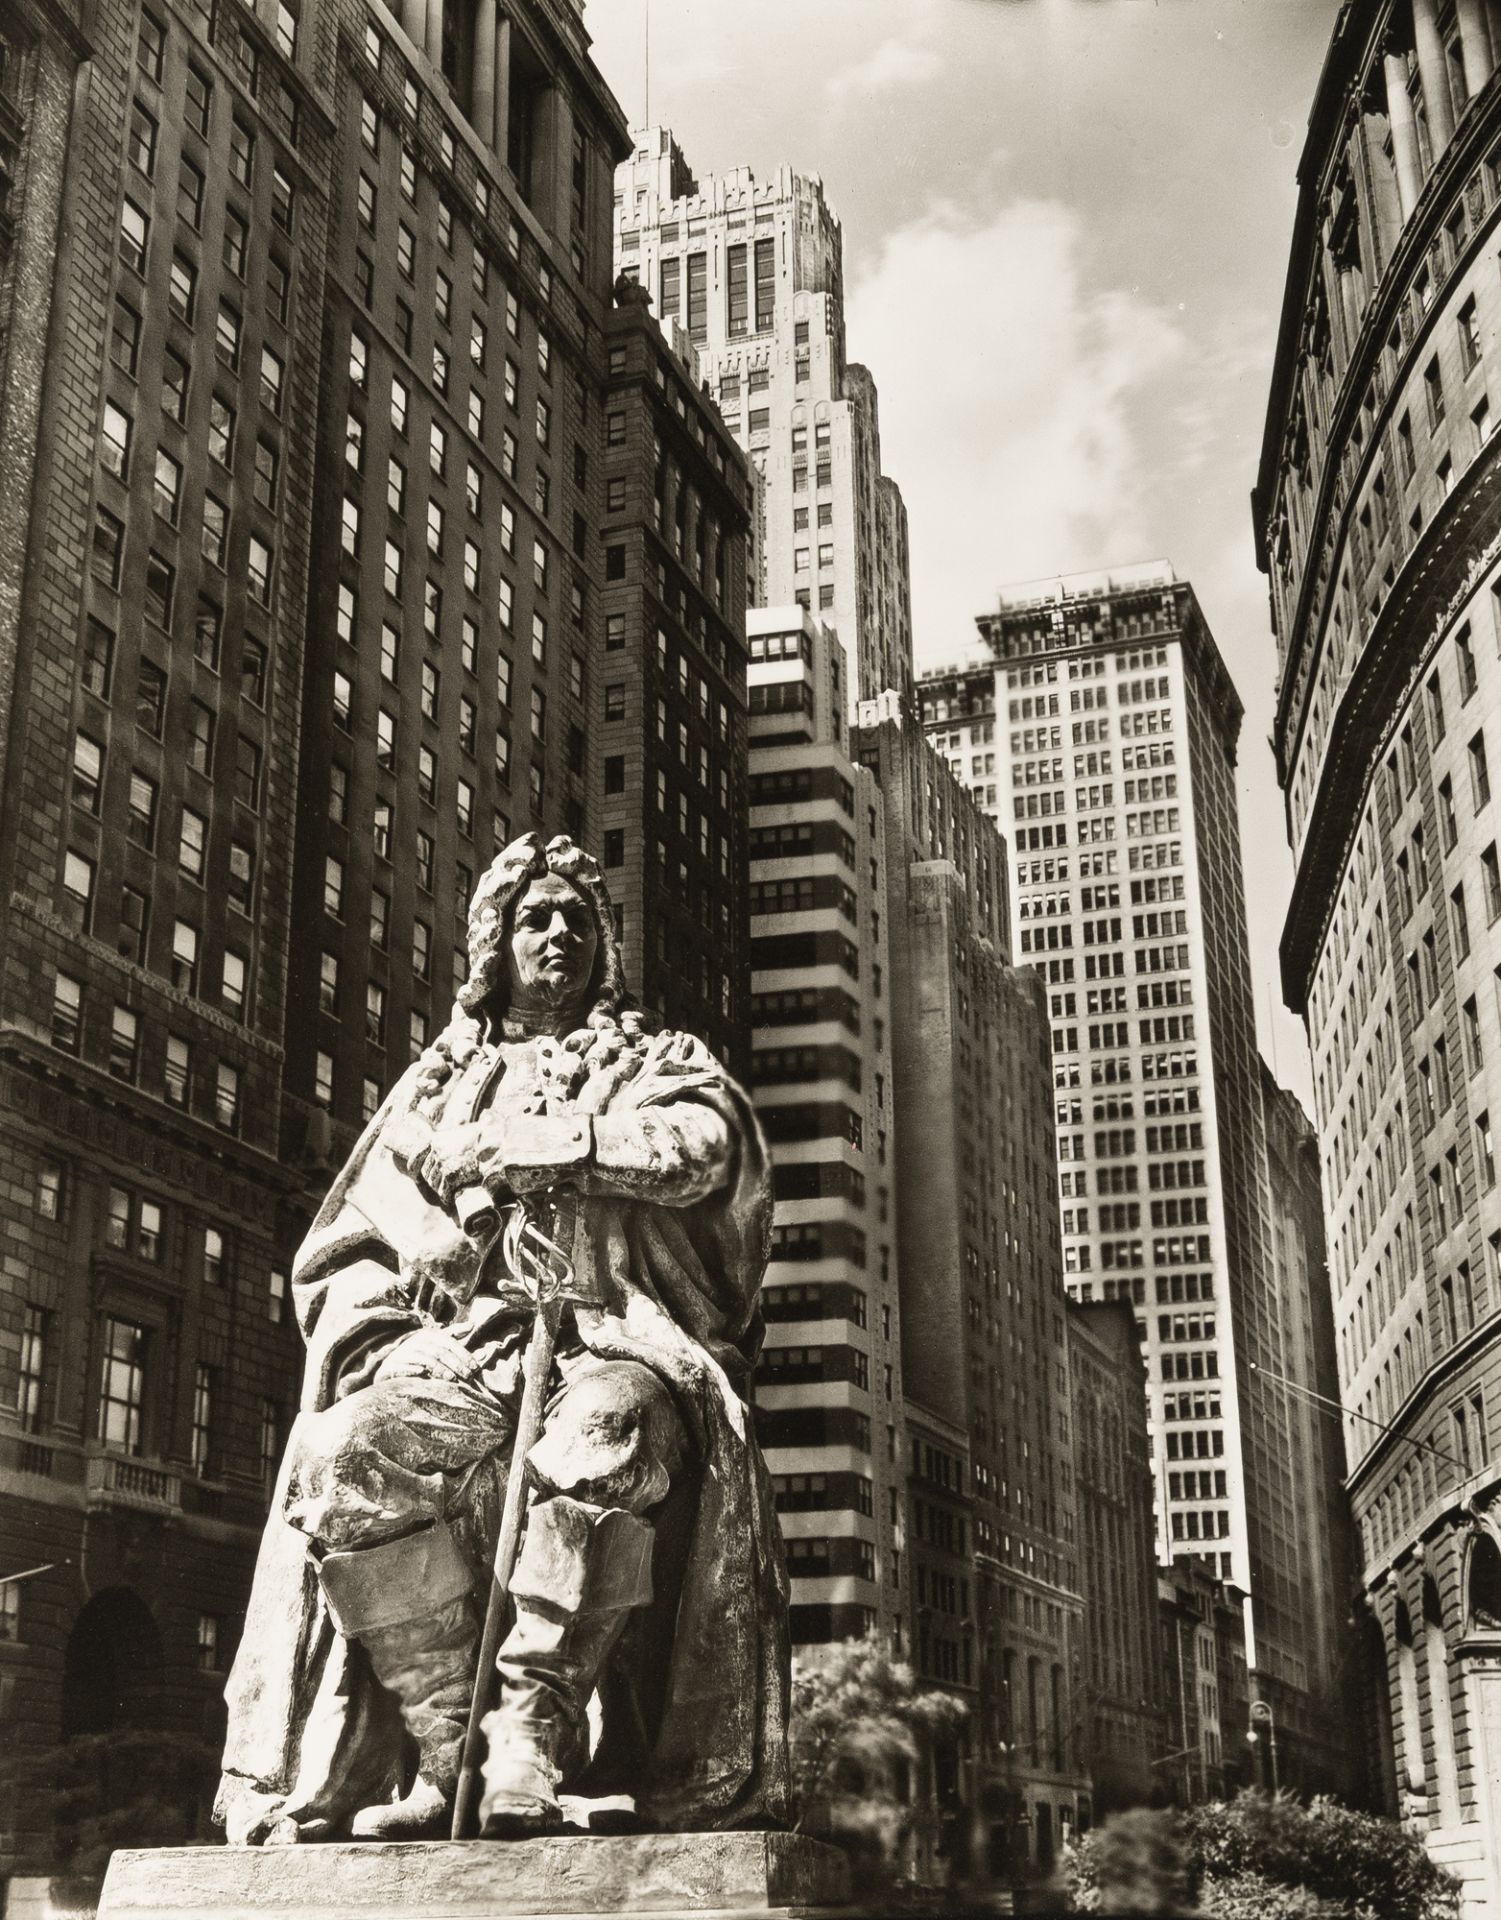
1433	66
503	87
1404	134
483	66
432	38
1475	43
414	19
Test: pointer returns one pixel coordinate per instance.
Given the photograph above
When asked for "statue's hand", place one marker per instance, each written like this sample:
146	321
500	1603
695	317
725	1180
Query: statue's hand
453	1161
408	1141
430	1354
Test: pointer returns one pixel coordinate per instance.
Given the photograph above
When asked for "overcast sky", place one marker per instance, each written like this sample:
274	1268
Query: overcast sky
1066	226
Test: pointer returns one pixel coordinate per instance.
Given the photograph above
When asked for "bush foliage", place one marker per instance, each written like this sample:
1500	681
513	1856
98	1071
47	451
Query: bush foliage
1260	1858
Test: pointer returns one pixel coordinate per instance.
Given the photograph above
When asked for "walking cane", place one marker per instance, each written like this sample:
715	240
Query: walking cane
544	1270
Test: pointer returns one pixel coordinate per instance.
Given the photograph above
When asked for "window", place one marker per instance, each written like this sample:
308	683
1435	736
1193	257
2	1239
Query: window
140	819
135	231
182	288
233	982
151	48
258	560
1464	659
201	737
97	663
333	886
1469	335
203	1413
67	1012
227	1096
323	1079
160	584
241	876
88	772
273	374
1480	778
185	957
192	842
1490	877
31	1370
125	338
151	697
221	436
178	1070
248	773
108	547
1485	1151
227	332
114	444
190	201
241	152
174	386
200	93
214	536
267	463
122	1386
276	1297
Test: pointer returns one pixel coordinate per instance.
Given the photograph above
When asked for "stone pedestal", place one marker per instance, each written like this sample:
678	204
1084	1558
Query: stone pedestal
710	1876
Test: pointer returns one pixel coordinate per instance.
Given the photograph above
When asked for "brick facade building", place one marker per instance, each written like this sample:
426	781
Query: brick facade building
301	565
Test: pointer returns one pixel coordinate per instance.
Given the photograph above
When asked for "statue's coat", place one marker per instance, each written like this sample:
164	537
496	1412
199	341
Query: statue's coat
308	1729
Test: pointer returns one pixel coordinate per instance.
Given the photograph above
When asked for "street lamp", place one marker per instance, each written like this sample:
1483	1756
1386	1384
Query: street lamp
1262	1715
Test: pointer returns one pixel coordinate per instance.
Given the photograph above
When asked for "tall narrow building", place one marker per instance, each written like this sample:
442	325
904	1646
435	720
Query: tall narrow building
829	1407
1113	723
754	271
302	315
1122	1699
1378	523
994	1579
668	727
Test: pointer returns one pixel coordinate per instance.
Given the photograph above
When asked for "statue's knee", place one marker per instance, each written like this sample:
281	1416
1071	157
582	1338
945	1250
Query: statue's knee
615	1439
338	1441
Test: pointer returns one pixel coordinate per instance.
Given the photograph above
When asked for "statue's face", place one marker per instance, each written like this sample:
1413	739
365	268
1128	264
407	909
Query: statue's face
553	941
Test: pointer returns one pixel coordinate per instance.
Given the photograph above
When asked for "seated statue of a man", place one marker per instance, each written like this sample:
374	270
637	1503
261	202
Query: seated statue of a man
649	1584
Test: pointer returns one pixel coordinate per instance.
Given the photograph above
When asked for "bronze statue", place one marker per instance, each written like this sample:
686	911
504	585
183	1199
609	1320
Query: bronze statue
650	1580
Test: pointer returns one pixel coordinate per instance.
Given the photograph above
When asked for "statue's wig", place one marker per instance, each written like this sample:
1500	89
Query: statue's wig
490	924
612	1034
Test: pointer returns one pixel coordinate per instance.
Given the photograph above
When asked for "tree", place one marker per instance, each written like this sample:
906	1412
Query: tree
862	1741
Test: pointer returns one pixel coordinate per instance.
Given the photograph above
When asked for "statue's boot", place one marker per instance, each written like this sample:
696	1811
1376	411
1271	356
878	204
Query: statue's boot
581	1570
408	1604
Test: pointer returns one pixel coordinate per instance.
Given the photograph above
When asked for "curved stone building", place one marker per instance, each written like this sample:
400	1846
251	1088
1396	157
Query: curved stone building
1378	521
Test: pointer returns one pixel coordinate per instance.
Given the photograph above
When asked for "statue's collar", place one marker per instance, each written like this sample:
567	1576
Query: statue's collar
521	1023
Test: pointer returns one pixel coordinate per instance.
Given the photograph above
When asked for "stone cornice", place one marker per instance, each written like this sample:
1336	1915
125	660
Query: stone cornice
1437	579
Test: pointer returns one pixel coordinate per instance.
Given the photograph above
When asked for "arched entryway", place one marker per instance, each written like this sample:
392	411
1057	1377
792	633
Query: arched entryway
112	1673
1479	1655
121	1776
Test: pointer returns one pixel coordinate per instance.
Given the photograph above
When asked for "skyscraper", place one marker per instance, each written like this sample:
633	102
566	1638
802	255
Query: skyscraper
1378	522
829	1406
754	271
1122	1696
669	734
994	1579
303	320
1113	726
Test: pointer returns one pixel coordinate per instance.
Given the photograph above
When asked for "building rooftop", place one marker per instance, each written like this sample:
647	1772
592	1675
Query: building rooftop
1056	589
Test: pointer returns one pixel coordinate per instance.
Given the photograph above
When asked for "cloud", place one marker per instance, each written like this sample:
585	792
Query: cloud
1011	392
890	64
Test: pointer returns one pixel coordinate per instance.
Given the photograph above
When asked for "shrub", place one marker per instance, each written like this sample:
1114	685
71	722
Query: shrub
1134	1863
1359	1863
1260	1858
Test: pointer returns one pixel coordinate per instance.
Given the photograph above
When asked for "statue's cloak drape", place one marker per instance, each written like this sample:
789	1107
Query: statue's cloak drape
308	1729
